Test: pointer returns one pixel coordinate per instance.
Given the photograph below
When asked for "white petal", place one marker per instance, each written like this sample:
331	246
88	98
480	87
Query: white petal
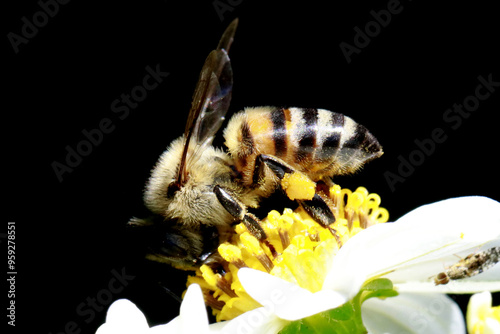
430	233
256	321
193	313
491	326
105	329
124	317
453	287
478	307
420	277
174	326
287	300
458	210
413	313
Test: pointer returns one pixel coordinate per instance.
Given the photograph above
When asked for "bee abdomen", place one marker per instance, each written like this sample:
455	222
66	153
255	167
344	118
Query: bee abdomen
317	142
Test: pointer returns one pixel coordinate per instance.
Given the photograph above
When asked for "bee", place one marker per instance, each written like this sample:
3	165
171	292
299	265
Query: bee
197	192
471	265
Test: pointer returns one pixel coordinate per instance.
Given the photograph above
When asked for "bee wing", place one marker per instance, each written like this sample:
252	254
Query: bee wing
227	37
210	102
211	99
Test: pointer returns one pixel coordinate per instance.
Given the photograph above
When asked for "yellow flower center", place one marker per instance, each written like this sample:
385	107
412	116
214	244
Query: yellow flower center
486	317
297	249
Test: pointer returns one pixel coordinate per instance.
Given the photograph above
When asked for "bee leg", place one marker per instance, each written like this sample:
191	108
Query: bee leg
252	223
239	211
277	166
317	207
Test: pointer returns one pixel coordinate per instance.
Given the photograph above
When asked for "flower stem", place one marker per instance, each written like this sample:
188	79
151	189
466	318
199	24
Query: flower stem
345	319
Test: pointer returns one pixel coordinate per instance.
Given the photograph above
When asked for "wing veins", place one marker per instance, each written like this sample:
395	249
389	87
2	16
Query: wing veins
210	103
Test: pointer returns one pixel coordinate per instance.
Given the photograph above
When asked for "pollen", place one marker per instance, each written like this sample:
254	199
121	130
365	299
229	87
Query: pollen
298	186
297	248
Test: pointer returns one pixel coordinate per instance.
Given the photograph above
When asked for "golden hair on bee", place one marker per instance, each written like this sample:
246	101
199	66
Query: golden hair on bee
193	202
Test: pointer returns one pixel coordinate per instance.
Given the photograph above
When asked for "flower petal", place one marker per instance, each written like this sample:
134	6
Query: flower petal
491	326
420	277
481	317
413	313
174	326
430	233
124	317
287	300
256	321
193	313
478	303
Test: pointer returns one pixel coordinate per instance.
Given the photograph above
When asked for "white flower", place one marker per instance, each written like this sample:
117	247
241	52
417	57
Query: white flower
482	318
124	317
413	313
420	245
410	252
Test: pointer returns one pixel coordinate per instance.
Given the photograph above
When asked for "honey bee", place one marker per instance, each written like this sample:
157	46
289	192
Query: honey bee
197	192
472	265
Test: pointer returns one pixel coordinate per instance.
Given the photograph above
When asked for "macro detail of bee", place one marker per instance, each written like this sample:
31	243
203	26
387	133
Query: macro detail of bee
472	265
197	193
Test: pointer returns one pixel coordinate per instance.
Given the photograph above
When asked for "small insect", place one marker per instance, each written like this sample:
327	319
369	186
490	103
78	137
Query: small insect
197	192
472	265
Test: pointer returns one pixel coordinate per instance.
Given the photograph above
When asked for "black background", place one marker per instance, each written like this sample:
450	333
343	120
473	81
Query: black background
71	234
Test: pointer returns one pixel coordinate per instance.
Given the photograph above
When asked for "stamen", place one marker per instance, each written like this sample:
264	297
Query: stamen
225	286
337	238
212	302
266	262
271	248
297	248
232	254
285	238
253	245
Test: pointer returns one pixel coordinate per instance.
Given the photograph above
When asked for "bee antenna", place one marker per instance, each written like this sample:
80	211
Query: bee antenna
171	293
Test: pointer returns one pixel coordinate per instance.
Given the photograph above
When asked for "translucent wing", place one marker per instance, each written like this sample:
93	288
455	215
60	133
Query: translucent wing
227	37
210	103
211	100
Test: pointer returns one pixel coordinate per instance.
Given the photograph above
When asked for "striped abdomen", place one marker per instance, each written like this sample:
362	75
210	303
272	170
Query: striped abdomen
316	142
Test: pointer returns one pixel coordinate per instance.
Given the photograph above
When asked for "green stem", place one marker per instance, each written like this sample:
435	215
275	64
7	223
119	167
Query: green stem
345	319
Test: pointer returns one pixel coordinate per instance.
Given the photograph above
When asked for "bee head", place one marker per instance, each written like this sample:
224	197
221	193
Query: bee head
171	242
